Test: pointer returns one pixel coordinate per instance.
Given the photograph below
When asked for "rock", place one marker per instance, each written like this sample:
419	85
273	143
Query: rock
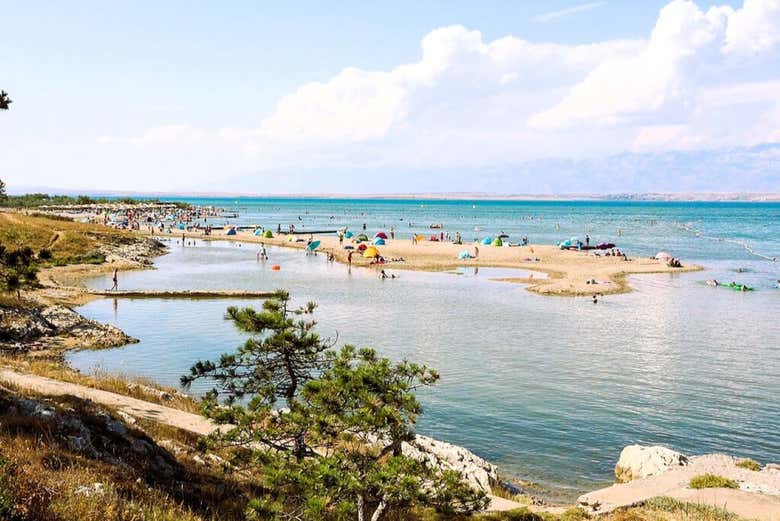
96	489
637	461
55	327
477	472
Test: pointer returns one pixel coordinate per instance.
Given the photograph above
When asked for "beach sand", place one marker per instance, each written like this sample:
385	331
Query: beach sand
568	272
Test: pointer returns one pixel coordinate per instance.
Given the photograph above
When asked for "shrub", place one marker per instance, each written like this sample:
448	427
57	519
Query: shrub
712	481
749	464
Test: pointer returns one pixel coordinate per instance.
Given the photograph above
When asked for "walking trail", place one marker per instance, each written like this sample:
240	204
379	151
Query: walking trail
186	421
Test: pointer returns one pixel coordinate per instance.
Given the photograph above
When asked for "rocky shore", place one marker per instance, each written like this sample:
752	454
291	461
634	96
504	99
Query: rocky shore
746	488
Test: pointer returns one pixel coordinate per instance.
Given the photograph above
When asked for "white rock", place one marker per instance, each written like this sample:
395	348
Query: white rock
445	456
637	461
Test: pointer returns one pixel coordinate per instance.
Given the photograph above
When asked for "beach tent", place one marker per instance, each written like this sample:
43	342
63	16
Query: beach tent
258	231
379	241
419	237
313	246
380	235
663	256
363	247
565	244
231	231
181	226
362	237
268	234
348	235
487	241
498	242
465	254
371	252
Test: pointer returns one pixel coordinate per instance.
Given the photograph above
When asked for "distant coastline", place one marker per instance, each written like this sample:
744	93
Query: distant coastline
756	197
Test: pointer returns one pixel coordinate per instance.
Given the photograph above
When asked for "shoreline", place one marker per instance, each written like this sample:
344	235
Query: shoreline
567	272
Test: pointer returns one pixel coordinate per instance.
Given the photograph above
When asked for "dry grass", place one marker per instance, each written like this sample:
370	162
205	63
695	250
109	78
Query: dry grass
135	387
70	242
41	479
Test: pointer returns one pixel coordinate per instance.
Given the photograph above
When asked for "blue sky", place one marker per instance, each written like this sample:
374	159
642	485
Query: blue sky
393	97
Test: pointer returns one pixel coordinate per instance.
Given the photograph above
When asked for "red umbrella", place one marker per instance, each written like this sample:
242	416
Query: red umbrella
362	247
381	235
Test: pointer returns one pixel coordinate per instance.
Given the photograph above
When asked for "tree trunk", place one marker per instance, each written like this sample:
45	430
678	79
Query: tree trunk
361	515
378	512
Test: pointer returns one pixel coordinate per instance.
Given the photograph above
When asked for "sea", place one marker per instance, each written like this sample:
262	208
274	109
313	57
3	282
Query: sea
550	389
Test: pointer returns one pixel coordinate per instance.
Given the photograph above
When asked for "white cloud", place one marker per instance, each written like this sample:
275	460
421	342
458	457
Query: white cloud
700	79
688	50
569	11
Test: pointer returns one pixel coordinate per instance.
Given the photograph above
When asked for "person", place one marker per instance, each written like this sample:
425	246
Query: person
382	274
595	300
115	279
364	226
476	252
349	257
392	232
777	285
587	240
341	238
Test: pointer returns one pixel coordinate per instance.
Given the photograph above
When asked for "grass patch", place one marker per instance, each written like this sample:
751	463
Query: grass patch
749	464
712	481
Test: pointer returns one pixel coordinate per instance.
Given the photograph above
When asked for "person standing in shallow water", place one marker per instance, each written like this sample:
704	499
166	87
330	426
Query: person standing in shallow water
115	280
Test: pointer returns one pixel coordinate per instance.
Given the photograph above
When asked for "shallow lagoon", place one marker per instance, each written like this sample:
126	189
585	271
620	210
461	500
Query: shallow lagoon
548	388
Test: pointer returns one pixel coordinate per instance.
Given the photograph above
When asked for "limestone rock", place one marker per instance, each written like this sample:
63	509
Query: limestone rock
476	471
638	461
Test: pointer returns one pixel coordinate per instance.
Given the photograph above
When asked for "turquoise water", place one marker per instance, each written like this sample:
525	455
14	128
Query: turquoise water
550	389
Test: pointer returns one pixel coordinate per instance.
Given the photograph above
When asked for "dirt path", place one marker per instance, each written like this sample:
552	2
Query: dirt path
189	422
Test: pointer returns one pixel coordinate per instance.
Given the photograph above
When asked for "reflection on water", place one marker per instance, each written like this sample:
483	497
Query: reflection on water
550	389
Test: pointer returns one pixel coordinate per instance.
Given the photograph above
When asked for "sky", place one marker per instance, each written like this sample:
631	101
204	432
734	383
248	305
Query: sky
549	96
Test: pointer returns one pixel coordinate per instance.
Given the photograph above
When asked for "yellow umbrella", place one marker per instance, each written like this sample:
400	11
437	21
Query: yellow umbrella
371	252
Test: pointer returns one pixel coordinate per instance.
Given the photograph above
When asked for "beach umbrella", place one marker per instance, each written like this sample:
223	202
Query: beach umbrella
487	241
231	231
371	252
181	226
348	235
268	234
380	235
379	241
662	256
258	232
362	237
419	237
363	247
498	242
314	245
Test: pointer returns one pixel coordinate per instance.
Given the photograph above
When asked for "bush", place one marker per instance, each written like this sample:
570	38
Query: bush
749	464
712	481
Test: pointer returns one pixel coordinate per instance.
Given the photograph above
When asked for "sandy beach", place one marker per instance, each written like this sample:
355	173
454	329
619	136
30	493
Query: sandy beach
567	272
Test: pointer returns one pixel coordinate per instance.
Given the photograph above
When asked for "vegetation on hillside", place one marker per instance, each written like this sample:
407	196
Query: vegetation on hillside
40	199
67	242
5	100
